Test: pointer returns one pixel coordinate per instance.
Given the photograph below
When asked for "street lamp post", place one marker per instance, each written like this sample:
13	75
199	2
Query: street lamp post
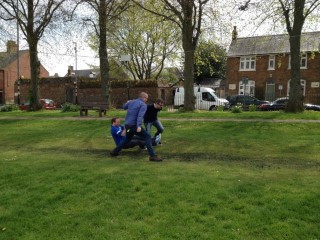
18	57
18	84
76	77
125	60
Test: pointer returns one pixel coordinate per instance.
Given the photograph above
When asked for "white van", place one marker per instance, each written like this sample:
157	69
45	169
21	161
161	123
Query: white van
206	99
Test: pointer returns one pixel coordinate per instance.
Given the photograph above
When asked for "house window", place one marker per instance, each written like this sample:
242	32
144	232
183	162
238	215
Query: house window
271	65
247	89
303	87
247	63
303	61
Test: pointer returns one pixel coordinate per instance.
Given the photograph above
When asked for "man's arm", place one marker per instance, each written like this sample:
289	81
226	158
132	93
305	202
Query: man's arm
142	111
125	106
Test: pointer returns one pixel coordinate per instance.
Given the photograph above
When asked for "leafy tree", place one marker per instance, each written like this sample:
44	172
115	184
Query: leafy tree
105	10
146	38
188	16
33	17
293	13
210	61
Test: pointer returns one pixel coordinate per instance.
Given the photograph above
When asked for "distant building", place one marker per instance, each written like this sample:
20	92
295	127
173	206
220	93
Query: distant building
260	66
9	71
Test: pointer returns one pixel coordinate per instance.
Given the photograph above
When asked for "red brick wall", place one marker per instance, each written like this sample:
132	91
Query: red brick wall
281	75
11	75
119	96
57	88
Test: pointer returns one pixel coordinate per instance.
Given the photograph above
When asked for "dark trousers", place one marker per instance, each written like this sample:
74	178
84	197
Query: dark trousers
130	132
135	141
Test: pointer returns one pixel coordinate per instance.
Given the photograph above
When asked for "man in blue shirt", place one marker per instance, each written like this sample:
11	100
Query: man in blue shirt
118	133
133	125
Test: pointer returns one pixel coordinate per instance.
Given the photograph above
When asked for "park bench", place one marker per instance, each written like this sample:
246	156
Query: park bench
100	106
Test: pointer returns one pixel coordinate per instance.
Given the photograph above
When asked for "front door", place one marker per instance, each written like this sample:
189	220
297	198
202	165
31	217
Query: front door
270	91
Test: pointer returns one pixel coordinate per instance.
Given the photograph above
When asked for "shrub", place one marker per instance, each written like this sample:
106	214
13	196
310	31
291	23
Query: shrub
237	109
220	108
69	107
8	108
252	108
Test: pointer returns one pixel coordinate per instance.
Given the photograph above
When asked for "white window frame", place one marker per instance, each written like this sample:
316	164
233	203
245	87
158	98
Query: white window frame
247	89
272	62
247	63
303	85
303	58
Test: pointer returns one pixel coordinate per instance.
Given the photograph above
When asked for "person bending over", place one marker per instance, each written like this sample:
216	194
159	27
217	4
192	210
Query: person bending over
133	125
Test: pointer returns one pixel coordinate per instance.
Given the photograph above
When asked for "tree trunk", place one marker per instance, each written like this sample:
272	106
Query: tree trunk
189	50
295	103
35	75
103	55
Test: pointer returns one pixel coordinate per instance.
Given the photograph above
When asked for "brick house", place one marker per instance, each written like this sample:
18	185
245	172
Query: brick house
9	71
260	66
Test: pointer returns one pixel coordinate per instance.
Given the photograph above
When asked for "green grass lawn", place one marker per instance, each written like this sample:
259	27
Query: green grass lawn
218	180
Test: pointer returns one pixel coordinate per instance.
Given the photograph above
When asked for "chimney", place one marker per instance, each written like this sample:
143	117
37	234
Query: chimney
234	33
12	47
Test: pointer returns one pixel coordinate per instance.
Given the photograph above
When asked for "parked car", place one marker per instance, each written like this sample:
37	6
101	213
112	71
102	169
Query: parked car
280	104
309	106
47	104
24	106
245	101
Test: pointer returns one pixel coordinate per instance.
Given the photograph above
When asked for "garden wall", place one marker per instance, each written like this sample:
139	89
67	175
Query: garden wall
64	89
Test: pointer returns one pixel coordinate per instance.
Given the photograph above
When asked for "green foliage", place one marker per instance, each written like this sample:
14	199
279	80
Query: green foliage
96	83
145	37
89	83
69	107
210	61
8	108
133	84
237	109
220	108
252	108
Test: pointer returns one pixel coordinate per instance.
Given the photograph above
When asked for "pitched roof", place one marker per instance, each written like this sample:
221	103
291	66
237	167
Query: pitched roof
7	58
272	44
93	73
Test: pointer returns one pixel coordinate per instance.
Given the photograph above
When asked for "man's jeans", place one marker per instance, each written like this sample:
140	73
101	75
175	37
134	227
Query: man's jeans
130	132
155	123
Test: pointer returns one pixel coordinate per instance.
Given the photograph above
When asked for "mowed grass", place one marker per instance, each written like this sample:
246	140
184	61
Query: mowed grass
218	180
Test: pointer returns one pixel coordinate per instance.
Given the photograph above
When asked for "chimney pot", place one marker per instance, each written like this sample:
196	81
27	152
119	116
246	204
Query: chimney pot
12	47
234	33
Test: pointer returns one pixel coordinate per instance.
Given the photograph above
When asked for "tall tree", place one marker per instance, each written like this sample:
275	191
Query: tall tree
294	14
210	61
188	16
106	10
33	18
149	43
